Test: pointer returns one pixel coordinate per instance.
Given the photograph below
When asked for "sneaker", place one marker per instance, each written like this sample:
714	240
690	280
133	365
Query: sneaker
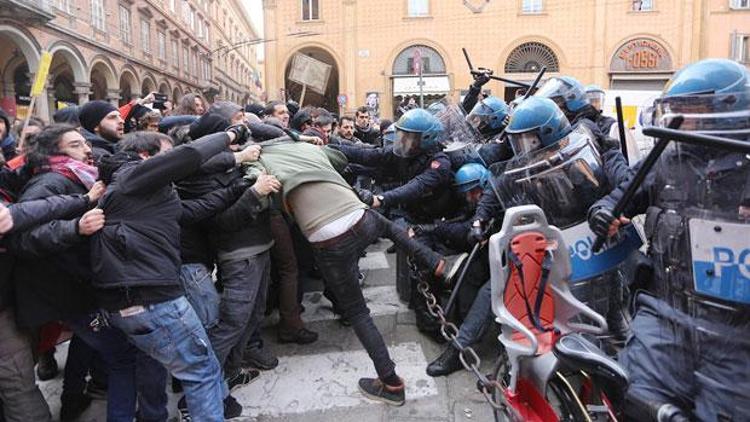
261	358
447	363
73	405
374	389
242	378
182	409
301	336
46	368
391	249
232	409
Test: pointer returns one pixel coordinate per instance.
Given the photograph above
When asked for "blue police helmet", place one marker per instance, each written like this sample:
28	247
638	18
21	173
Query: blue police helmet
436	108
536	123
710	76
566	91
416	131
470	176
488	116
712	96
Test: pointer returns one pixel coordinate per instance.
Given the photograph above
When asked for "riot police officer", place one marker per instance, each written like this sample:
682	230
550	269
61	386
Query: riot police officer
595	94
569	94
690	344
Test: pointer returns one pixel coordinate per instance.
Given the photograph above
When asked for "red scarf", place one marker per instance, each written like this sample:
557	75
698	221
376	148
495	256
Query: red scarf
74	170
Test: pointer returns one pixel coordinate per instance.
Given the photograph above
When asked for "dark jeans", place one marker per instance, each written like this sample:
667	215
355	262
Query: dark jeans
338	259
82	360
131	374
480	316
243	303
171	333
201	293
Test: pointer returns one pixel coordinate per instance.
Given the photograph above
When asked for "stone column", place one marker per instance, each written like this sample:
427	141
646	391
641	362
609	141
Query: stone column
113	96
274	71
348	70
82	90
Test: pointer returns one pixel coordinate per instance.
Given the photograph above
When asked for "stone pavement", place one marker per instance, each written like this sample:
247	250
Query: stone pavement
318	382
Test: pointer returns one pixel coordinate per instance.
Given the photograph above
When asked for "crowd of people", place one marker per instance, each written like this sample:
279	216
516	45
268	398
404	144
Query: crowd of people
159	234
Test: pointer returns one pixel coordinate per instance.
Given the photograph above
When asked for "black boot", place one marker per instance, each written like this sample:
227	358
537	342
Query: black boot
446	364
618	317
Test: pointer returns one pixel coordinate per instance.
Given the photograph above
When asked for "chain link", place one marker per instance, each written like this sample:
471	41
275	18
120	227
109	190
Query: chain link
449	331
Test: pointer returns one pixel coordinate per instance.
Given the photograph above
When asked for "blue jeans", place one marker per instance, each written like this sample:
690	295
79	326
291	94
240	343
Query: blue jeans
243	303
128	372
201	293
171	333
338	259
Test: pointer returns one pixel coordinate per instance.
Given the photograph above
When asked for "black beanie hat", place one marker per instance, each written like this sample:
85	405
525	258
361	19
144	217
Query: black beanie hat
208	123
256	109
93	112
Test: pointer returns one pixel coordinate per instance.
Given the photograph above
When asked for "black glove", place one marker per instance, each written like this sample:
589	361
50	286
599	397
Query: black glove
607	143
481	79
600	220
420	229
365	196
242	133
477	234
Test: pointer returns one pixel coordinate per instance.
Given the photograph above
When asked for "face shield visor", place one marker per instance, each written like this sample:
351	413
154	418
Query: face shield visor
479	118
407	144
726	115
596	99
524	143
556	90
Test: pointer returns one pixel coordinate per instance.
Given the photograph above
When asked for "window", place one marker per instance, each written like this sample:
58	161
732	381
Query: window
531	6
186	59
97	14
64	6
530	57
643	5
419	8
200	28
739	4
162	41
175	54
192	19
125	24
146	36
185	11
172	5
741	47
310	10
195	64
206	71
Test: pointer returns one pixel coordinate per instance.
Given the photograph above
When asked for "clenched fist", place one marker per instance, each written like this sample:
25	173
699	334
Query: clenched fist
247	155
96	191
91	222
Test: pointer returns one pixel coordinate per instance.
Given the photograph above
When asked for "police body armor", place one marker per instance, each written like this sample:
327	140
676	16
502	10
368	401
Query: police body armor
699	233
565	179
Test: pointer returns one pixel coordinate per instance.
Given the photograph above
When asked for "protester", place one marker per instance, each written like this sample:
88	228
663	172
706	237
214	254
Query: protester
104	127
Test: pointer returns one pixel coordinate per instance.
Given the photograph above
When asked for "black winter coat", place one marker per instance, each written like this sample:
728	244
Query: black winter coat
53	270
26	216
136	256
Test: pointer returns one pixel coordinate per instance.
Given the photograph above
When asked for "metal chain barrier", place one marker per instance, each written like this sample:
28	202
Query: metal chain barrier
449	331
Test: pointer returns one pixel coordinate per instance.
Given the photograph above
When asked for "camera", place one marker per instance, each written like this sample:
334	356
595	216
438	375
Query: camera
159	100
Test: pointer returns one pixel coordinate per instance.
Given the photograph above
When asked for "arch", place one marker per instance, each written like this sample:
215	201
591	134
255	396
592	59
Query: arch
26	42
129	83
530	57
103	79
432	61
176	94
654	37
326	100
553	46
73	57
418	41
148	84
9	70
165	87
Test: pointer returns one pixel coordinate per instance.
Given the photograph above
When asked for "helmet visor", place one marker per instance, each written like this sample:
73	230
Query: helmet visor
554	89
479	118
524	143
596	98
407	144
712	114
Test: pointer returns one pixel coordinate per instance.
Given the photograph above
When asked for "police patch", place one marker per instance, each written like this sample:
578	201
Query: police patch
435	164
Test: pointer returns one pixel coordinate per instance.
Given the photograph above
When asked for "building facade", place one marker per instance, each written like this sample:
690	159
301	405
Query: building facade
116	49
375	49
